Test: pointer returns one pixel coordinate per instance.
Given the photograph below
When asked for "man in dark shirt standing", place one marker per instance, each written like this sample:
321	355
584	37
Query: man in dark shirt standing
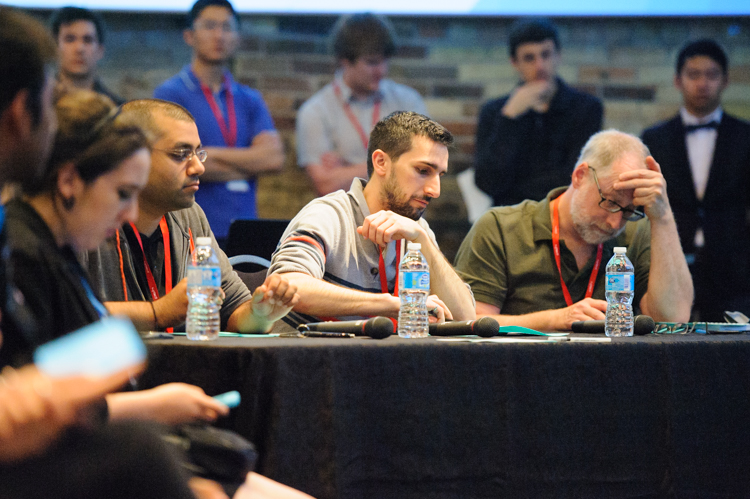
527	140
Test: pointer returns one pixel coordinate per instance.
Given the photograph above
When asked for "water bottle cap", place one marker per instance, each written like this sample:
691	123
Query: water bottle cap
620	249
413	246
203	241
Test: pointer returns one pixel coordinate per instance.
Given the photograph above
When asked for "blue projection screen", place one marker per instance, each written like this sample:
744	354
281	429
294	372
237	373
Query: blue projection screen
432	7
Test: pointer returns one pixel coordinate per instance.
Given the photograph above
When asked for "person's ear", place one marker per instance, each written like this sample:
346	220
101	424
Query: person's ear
69	183
579	172
189	36
381	162
19	123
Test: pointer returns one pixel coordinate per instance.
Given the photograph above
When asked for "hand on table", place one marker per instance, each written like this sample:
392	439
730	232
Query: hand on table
585	310
273	299
171	309
441	312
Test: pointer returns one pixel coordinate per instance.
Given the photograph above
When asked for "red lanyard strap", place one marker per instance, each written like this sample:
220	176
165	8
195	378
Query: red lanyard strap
384	278
228	127
556	250
152	287
364	136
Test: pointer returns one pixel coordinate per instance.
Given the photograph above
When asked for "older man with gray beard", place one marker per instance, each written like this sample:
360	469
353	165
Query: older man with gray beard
540	264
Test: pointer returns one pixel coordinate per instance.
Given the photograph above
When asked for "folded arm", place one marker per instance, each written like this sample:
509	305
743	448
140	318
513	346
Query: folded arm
265	154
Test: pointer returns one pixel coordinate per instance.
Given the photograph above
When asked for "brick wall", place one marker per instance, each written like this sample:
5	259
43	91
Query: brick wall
455	63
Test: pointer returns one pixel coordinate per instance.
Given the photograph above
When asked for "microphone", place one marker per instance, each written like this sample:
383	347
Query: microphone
486	327
643	324
376	328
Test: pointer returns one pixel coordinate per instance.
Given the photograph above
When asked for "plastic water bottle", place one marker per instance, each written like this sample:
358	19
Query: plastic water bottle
619	289
204	292
414	280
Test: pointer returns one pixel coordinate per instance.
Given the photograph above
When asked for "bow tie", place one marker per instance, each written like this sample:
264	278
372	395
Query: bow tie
711	125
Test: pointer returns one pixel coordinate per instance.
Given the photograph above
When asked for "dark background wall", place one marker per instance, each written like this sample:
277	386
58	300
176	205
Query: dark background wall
455	63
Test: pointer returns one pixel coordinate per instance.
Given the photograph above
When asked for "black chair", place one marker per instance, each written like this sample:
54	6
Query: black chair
258	238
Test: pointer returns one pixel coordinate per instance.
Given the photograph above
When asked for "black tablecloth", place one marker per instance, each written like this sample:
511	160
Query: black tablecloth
654	416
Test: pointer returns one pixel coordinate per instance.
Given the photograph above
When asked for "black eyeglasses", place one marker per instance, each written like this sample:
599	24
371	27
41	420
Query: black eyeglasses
183	155
631	215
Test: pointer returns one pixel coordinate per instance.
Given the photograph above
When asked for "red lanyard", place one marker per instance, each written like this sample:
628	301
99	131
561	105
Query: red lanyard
353	119
556	249
167	263
228	130
384	278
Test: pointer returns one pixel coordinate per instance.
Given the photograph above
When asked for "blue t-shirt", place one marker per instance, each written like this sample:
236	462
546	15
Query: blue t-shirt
222	201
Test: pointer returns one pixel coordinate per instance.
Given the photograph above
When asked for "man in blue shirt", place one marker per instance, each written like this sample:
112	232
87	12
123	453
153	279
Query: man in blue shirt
232	119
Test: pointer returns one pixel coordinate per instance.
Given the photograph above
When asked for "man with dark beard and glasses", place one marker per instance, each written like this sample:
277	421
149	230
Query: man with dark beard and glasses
342	250
509	256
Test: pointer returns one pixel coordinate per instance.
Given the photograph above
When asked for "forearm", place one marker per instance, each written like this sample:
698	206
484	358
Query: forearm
670	288
244	320
139	312
324	299
132	405
445	283
265	154
327	179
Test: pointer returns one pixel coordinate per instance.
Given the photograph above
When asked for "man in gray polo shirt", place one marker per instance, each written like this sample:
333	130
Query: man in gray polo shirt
508	256
333	125
342	250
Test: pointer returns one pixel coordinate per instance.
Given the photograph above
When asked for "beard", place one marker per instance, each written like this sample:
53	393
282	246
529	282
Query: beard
590	231
393	198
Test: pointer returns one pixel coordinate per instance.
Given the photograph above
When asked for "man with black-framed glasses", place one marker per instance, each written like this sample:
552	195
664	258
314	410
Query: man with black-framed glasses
141	271
541	264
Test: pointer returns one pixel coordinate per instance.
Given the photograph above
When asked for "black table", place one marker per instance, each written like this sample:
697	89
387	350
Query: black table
653	416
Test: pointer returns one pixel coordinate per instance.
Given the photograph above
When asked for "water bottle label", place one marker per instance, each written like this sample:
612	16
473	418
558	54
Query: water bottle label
415	280
622	282
204	276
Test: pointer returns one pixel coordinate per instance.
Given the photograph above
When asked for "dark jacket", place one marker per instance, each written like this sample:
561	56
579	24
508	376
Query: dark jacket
526	157
723	269
49	279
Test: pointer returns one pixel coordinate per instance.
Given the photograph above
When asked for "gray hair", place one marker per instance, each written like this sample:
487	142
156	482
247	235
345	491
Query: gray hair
604	148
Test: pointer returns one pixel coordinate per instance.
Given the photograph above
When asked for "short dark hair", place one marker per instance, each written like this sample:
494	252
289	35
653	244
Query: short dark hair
393	134
142	111
200	5
360	35
531	30
705	47
93	135
68	15
27	52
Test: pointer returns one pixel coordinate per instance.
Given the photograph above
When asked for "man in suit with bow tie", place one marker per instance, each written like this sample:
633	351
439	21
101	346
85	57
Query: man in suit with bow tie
704	154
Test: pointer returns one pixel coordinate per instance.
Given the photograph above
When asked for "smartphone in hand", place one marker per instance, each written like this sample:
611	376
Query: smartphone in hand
99	349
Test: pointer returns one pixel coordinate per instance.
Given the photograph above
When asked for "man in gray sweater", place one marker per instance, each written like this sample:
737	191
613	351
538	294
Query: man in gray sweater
140	272
342	250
